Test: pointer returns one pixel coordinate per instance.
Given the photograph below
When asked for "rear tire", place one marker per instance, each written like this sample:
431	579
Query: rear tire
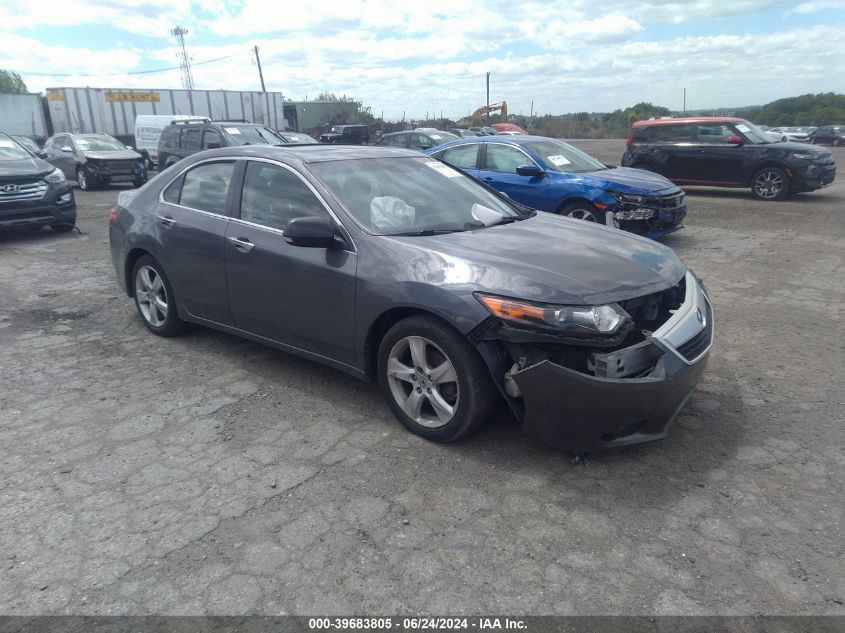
139	182
63	228
434	380
155	299
582	210
770	183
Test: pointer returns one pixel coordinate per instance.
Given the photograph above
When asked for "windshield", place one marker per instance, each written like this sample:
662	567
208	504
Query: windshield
9	150
562	157
391	196
251	135
443	137
98	143
752	132
299	138
28	143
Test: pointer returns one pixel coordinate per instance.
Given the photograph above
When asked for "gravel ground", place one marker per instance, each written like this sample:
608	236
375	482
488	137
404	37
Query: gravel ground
209	475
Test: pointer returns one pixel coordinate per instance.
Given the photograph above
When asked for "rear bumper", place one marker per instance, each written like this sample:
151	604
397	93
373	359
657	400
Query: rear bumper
581	412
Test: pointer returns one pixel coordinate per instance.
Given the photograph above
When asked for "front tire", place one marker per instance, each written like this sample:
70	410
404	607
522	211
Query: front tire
82	180
837	142
770	183
434	380
582	210
154	298
139	182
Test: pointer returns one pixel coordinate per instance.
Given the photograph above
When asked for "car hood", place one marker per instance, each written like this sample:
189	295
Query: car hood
24	168
117	154
627	180
802	148
545	258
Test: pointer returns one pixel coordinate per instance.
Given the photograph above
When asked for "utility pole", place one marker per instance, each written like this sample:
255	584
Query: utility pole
488	99
184	61
685	100
260	74
532	108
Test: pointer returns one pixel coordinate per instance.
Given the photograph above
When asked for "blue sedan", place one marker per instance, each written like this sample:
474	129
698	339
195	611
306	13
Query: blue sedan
550	175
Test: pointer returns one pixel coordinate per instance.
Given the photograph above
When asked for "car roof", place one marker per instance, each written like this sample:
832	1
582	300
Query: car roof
509	139
310	153
682	120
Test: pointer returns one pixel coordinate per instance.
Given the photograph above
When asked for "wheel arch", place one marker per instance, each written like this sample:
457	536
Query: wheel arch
771	162
379	327
129	264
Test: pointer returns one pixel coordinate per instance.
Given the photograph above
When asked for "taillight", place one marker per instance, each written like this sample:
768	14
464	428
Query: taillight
113	215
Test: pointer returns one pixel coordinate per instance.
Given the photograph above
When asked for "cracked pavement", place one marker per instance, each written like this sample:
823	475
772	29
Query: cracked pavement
209	475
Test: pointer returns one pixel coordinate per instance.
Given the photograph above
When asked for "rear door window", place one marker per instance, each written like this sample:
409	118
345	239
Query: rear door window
206	186
675	134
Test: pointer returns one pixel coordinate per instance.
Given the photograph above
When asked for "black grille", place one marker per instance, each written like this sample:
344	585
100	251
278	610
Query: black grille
693	348
664	202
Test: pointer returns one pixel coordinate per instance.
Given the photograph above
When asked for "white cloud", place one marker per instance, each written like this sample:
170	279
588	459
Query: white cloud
562	54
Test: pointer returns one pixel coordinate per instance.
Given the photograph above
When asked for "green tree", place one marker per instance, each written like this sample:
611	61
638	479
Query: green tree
11	83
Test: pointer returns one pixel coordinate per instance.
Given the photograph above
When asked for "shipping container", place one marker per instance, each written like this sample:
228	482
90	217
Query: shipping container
23	115
113	111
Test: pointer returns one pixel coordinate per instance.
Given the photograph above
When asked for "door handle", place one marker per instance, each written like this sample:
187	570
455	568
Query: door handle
166	220
488	179
242	244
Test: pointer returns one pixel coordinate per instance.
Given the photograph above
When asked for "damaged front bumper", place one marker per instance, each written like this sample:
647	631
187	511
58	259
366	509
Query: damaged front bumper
633	394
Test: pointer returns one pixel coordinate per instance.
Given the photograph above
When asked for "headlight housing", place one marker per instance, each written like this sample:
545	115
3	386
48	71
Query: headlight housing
55	176
803	156
627	198
572	320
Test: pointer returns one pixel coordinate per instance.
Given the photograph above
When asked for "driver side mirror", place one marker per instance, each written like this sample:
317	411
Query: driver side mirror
68	149
311	232
533	171
213	145
41	153
733	139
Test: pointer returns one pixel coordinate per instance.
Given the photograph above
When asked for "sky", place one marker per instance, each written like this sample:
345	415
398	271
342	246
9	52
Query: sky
412	57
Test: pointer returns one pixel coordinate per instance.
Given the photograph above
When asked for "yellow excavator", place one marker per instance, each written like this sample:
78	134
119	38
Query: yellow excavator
494	108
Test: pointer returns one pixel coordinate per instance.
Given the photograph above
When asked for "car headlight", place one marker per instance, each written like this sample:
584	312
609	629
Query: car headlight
627	197
635	214
55	176
803	156
603	319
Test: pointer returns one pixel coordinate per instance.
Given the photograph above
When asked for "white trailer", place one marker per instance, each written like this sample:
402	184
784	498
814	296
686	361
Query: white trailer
22	115
113	111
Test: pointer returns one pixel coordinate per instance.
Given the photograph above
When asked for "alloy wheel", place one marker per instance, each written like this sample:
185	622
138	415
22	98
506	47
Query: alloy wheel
582	214
151	295
82	180
423	381
768	184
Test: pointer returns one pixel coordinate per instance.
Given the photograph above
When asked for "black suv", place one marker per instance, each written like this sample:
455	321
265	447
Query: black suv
33	193
727	152
183	138
347	135
829	135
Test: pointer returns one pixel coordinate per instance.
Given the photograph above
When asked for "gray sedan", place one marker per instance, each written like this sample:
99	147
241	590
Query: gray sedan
397	268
